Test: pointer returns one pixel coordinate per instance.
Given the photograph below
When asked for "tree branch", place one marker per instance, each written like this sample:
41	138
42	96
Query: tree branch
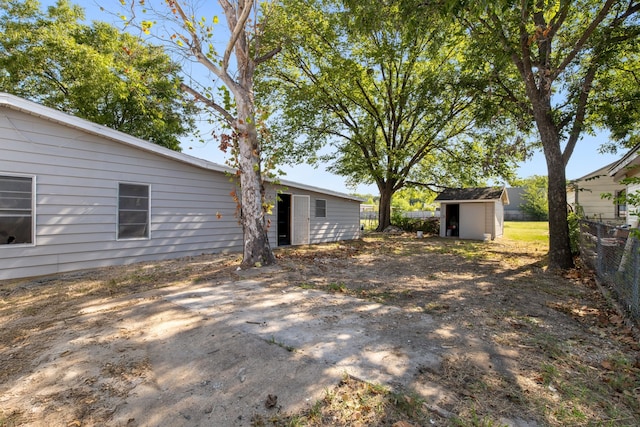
236	25
268	55
209	103
602	14
194	43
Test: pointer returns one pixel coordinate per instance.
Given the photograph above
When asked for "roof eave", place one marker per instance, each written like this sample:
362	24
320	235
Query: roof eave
618	170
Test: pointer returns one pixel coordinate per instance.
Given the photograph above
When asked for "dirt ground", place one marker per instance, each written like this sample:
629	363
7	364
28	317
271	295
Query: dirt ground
479	332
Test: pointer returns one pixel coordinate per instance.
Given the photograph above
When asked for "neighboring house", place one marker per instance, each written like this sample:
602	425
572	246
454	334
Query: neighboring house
514	211
584	196
77	195
473	213
628	167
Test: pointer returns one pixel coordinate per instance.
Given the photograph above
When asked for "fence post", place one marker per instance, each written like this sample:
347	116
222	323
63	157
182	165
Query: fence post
634	304
599	252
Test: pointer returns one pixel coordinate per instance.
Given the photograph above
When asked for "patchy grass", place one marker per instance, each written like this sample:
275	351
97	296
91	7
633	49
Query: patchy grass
337	287
531	232
357	403
289	348
469	250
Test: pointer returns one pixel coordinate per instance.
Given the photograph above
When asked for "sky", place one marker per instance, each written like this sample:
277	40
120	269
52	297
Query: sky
585	158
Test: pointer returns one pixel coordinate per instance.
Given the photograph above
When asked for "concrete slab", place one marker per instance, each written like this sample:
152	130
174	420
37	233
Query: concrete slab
362	338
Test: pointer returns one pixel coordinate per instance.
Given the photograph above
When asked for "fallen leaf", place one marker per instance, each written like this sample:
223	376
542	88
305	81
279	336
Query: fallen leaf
617	320
271	402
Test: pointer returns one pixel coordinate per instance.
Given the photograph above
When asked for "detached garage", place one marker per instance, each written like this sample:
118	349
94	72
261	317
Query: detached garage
472	213
76	195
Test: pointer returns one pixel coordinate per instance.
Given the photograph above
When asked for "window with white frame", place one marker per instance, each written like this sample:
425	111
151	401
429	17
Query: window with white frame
16	209
133	211
321	208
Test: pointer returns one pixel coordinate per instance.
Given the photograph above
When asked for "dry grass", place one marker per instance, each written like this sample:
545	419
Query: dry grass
515	342
552	349
357	403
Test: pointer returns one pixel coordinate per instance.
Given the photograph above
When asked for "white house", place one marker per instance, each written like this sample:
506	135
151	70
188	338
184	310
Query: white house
628	167
472	213
584	195
77	195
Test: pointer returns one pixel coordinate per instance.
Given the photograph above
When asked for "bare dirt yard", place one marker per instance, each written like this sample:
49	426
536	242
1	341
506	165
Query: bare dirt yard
388	330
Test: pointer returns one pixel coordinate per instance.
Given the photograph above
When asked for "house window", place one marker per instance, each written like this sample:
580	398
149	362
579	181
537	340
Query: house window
321	208
133	211
16	209
621	206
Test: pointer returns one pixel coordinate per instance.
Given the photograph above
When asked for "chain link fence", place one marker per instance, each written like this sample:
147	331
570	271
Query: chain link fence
614	254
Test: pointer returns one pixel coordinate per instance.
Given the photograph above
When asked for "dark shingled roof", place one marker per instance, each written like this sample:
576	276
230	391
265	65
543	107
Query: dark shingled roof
486	193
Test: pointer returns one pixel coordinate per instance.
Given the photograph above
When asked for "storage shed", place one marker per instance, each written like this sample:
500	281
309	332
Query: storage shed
77	195
472	213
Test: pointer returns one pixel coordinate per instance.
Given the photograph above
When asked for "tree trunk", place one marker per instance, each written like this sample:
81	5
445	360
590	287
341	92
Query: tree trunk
384	207
257	251
539	93
560	256
240	82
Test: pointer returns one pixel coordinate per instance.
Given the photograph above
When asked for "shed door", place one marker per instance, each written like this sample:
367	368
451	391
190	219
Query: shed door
472	221
300	221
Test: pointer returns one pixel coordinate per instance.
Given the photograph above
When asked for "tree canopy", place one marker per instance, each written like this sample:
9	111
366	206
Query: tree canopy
535	201
94	71
617	99
391	95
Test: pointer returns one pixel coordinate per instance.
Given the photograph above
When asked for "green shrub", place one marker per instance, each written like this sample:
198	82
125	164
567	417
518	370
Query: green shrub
411	225
574	232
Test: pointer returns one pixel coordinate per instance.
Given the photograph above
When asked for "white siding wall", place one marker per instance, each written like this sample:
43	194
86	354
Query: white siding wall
472	221
443	219
499	218
77	176
341	223
589	197
632	217
489	219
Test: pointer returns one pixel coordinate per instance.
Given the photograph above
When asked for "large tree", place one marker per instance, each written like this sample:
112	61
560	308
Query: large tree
93	71
560	52
224	85
389	93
